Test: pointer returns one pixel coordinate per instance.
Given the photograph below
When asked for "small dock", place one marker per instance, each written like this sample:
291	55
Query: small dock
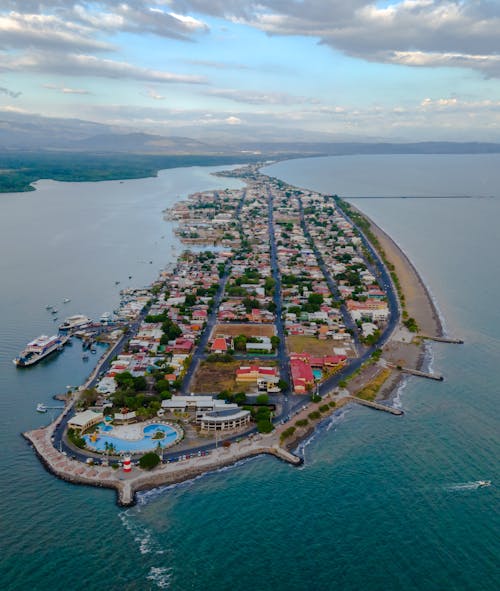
444	340
377	406
417	372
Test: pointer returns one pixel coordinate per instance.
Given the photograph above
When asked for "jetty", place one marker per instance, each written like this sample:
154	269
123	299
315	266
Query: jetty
377	406
417	372
444	340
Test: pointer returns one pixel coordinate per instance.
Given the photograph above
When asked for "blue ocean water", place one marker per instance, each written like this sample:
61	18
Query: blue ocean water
380	503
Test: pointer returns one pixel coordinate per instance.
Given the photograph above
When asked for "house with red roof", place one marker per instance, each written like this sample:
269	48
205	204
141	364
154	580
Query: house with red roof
302	376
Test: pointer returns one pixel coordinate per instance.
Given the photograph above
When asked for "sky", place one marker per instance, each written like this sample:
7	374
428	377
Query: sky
273	69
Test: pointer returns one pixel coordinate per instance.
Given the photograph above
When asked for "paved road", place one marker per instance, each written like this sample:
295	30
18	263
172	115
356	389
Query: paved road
199	353
332	285
282	356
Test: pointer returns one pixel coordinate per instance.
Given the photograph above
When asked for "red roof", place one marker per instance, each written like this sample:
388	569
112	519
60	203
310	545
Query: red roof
302	374
219	344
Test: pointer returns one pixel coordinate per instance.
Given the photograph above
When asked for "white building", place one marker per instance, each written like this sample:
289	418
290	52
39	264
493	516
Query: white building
84	420
224	420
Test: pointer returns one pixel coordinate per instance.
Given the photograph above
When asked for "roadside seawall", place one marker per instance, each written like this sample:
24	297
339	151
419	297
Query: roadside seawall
127	485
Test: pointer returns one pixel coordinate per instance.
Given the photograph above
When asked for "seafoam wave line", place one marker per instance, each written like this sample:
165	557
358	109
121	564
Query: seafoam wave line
148	496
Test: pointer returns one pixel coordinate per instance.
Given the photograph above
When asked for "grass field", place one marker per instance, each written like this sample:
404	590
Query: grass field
249	330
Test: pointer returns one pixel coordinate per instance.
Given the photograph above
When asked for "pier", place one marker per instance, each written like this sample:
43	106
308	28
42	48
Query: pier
377	406
417	372
444	340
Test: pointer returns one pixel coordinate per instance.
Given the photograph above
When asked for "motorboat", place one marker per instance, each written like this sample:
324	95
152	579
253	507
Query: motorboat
40	407
483	483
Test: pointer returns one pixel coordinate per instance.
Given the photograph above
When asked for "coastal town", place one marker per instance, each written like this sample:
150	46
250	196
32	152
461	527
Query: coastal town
279	311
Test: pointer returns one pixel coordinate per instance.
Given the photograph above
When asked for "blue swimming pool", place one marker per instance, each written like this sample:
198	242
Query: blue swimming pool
146	443
318	374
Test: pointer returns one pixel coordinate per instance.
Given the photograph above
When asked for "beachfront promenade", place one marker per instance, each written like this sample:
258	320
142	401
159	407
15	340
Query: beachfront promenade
127	484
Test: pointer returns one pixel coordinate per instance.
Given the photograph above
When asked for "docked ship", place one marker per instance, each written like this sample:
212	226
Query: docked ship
75	322
40	348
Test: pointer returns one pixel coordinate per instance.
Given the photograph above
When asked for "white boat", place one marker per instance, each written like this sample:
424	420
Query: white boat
48	307
54	311
40	407
75	322
483	483
66	300
40	348
105	318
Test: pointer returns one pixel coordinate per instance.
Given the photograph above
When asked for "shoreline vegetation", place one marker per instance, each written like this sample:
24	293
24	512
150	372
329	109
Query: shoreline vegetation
20	171
376	379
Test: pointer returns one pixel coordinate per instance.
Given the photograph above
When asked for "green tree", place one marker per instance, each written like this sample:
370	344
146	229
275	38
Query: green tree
149	461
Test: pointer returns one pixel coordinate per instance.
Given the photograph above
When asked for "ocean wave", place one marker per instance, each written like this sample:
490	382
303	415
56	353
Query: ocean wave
396	401
148	496
325	425
161	576
141	534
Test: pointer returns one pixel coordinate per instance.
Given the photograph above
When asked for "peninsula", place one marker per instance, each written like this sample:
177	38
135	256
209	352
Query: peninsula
286	305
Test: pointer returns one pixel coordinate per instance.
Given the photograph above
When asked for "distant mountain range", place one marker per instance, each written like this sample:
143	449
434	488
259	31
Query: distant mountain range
36	133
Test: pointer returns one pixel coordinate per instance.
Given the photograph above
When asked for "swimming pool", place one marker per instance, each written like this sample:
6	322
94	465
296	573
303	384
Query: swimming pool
108	435
318	374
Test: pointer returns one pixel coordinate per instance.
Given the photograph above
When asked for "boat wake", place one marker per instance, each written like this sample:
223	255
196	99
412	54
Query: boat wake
466	486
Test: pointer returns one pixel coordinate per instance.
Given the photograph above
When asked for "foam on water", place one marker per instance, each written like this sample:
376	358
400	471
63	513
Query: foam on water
161	576
332	421
142	534
466	486
148	496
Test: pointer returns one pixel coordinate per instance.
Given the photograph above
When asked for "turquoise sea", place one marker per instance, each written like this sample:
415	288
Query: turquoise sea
381	503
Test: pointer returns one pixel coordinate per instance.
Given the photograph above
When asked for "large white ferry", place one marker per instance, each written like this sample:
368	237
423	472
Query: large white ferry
75	322
39	348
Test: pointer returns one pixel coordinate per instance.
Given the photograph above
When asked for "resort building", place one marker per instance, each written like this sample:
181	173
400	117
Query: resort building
84	420
124	417
196	404
224	420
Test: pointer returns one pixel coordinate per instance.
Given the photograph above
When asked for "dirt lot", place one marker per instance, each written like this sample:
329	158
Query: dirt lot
216	376
298	344
249	330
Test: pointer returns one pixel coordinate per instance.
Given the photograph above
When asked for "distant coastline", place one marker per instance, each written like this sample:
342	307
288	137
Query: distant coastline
23	167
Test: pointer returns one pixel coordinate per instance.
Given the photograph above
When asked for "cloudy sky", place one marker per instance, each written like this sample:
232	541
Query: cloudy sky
410	69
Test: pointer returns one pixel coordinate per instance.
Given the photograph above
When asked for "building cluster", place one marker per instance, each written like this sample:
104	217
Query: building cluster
349	264
208	218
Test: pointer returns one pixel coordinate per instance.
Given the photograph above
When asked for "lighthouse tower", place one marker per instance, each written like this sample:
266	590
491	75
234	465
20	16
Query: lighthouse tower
127	464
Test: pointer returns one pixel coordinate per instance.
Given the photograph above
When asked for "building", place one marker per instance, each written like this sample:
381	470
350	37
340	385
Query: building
195	404
302	376
84	420
252	373
224	420
124	417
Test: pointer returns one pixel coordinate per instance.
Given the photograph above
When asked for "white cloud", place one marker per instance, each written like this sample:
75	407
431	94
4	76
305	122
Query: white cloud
89	65
252	97
65	89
